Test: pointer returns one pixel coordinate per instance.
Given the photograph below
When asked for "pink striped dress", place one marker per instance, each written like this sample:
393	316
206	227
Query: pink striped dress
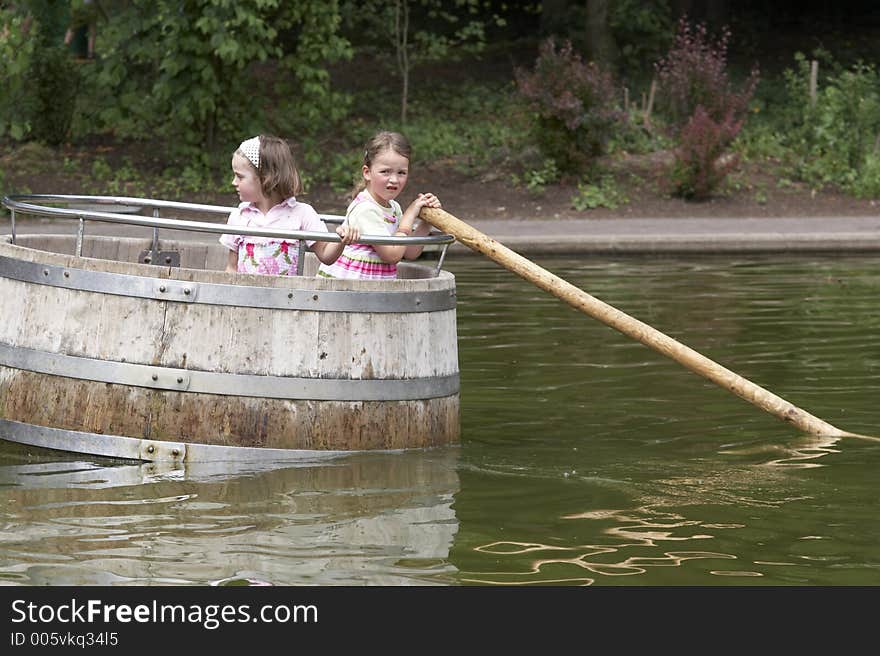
360	260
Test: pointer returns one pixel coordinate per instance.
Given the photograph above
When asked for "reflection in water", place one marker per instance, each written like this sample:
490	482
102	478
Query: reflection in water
751	514
675	508
632	534
802	452
594	460
373	519
586	458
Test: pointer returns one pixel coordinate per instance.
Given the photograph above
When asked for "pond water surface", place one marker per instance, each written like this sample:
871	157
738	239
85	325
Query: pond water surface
586	458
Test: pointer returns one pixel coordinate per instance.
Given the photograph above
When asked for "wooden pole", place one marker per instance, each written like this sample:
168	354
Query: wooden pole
642	332
814	81
650	105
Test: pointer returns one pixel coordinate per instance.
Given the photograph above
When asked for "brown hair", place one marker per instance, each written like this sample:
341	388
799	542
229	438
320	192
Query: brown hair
379	143
277	172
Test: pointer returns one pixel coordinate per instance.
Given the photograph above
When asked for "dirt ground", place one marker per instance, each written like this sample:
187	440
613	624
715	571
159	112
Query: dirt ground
754	191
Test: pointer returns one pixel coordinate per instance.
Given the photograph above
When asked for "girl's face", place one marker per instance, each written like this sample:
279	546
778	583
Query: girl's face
386	176
246	180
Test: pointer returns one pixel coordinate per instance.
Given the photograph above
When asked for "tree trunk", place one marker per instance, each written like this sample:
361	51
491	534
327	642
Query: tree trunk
401	34
601	46
554	17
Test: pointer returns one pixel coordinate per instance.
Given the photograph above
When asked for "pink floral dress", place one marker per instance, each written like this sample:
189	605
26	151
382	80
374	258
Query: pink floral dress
271	256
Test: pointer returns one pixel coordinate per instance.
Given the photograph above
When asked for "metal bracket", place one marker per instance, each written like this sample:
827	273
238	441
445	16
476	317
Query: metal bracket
154	450
174	290
160	258
162	378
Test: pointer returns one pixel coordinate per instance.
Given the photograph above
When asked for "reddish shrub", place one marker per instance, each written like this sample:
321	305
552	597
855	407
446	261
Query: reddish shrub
694	73
575	105
700	161
706	114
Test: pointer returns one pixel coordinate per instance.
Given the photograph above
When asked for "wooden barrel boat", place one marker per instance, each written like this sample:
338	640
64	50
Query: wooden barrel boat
177	360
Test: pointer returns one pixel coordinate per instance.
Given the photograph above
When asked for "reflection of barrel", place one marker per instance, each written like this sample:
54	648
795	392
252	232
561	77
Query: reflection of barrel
364	519
97	349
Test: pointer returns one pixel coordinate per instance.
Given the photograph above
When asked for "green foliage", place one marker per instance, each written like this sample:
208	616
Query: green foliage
50	17
101	170
867	183
435	31
631	136
470	126
761	141
604	194
473	125
345	171
190	79
643	30
537	180
203	72
574	103
195	178
191	180
39	92
30	158
16	53
834	139
306	100
404	35
69	166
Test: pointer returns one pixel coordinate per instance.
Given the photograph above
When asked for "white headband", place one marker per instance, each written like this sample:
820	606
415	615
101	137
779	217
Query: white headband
251	149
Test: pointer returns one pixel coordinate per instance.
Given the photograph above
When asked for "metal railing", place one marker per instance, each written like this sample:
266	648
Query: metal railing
30	204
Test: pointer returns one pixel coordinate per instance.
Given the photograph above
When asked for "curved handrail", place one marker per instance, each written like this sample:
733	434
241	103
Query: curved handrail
18	202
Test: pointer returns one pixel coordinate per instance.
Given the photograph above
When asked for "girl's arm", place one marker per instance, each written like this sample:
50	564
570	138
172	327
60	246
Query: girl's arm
423	228
406	228
328	252
232	261
232	241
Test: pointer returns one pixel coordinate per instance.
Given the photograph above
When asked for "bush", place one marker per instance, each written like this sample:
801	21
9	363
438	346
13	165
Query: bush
694	74
834	138
604	194
575	106
700	162
705	113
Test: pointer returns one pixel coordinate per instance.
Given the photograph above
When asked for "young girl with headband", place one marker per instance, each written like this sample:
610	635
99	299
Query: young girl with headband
266	179
374	211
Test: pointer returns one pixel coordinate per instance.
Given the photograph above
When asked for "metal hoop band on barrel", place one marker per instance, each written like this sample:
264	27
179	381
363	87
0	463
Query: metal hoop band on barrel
218	294
132	448
184	380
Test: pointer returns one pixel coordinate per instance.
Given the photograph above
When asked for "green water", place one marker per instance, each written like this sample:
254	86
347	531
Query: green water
586	458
